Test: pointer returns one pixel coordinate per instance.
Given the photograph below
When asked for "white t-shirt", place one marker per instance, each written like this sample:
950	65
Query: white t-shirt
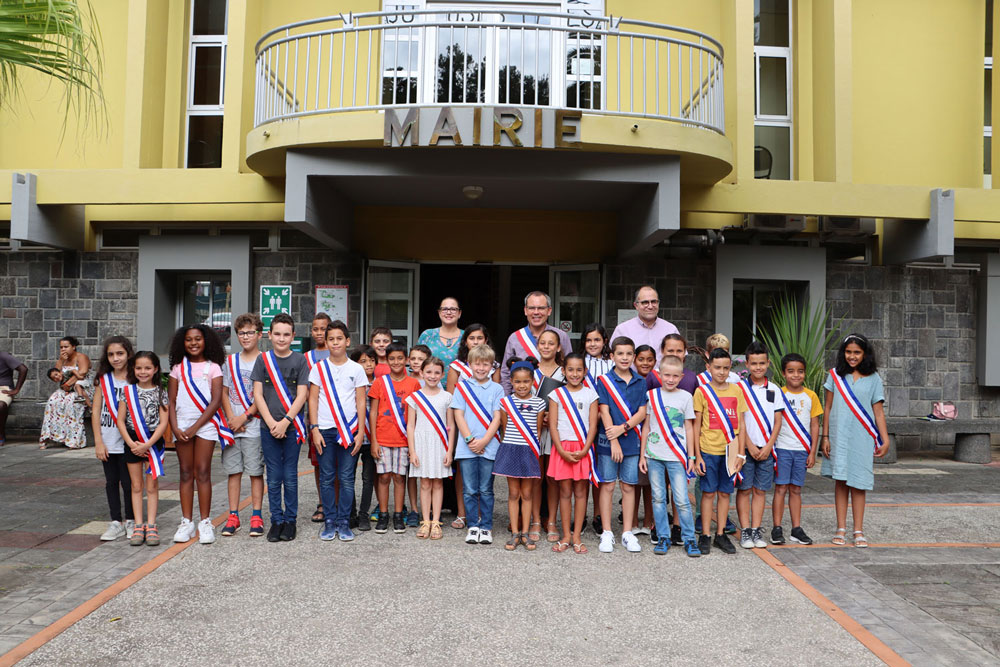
769	407
347	377
680	407
806	406
583	399
203	373
110	434
252	429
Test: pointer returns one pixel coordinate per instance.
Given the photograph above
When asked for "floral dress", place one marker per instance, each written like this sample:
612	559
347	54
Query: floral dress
63	420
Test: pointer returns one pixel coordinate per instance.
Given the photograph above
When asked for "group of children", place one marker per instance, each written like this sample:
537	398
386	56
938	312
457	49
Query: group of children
613	415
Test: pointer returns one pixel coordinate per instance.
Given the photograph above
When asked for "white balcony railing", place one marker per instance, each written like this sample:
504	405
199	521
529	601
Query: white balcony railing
381	60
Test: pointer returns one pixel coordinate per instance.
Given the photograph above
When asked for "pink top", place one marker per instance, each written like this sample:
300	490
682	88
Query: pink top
203	372
641	334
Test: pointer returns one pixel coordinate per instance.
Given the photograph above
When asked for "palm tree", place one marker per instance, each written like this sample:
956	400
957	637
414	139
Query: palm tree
60	39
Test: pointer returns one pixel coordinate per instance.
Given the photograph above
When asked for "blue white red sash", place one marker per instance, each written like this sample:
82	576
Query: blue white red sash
462	368
795	425
536	380
284	394
588	381
855	406
312	359
107	383
704	377
528	341
667	429
395	406
565	399
473	403
233	365
435	419
194	393
142	432
656	374
715	405
343	424
759	416
618	400
520	423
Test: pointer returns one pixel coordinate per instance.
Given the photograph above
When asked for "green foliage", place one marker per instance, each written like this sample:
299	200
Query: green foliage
809	331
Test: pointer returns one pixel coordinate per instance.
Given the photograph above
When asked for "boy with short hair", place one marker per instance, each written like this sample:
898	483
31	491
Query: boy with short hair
476	407
718	418
763	424
415	361
380	340
622	398
388	436
245	455
365	357
716	340
796	447
319	352
280	388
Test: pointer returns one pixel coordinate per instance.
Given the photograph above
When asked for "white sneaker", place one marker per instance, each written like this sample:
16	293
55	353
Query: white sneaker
185	531
758	539
746	538
114	531
472	537
129	528
486	537
206	531
641	530
607	542
631	542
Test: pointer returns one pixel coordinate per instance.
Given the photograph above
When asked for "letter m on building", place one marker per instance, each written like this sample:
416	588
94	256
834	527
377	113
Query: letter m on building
395	133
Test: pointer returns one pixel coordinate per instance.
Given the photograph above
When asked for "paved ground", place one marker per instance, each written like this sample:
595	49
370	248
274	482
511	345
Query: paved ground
392	597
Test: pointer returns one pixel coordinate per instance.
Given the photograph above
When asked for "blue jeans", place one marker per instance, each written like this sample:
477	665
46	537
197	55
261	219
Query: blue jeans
336	462
679	488
477	489
281	460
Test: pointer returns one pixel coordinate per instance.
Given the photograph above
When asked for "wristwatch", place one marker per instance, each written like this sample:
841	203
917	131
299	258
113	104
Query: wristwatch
469	438
312	426
291	420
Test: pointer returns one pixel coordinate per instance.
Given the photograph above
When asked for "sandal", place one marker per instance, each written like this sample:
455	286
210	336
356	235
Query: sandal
859	539
458	523
535	535
318	516
560	547
551	535
424	530
529	543
840	537
436	533
580	548
138	536
152	535
513	542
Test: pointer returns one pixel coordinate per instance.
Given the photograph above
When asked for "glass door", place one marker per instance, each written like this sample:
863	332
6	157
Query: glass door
392	290
206	299
576	296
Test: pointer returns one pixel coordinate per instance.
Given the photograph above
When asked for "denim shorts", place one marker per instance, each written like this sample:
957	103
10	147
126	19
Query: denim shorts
757	474
627	471
716	479
791	467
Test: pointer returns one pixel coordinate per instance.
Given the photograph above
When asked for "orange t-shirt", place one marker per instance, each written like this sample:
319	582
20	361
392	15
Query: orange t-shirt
385	425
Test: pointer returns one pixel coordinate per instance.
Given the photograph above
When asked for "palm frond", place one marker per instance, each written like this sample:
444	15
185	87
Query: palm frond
807	330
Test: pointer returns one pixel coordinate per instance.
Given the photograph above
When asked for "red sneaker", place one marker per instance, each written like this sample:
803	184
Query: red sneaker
256	526
232	525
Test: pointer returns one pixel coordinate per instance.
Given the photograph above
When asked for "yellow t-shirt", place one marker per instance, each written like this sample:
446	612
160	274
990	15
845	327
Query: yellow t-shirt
713	439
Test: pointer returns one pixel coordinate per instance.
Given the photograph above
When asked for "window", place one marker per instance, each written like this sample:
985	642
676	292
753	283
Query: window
988	99
753	309
206	84
122	238
207	299
772	86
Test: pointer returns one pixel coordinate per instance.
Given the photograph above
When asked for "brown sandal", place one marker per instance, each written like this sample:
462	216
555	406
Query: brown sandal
424	530
436	533
512	543
529	543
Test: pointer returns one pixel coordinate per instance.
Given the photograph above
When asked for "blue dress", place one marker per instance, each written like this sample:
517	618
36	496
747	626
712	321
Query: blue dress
852	450
432	339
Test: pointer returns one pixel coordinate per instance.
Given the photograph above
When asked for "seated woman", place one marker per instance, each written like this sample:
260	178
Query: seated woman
64	411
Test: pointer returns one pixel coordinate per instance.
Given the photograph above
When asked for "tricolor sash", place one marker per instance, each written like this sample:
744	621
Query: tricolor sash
855	406
233	365
759	416
704	377
395	406
715	405
522	426
343	424
437	422
284	394
142	430
619	400
656	374
536	380
795	426
565	399
194	393
667	429
473	403
312	359
107	383
528	341
462	368
588	381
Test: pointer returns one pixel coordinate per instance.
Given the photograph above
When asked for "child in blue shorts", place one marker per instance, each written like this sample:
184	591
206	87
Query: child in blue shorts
796	447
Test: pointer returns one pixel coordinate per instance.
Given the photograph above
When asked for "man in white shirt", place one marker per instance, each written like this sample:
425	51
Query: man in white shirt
646	328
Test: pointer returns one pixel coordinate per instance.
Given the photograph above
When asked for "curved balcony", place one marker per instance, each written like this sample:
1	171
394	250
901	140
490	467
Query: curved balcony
393	59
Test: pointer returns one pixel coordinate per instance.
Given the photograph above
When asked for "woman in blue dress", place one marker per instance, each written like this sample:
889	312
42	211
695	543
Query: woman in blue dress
444	340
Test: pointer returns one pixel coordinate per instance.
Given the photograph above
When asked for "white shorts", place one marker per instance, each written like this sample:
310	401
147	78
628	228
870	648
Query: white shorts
4	398
206	432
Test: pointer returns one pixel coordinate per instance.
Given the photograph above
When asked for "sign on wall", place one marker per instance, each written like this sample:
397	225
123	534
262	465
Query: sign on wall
274	299
332	300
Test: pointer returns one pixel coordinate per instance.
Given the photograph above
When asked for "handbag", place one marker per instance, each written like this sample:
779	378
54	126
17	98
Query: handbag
944	410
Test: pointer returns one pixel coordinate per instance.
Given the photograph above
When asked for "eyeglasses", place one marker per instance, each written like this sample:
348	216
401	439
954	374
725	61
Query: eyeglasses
449	309
649	302
245	334
536	309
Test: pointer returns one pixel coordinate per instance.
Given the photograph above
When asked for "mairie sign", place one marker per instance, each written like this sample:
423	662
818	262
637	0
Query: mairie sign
514	127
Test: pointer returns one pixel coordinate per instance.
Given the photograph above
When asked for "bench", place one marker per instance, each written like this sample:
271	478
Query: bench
971	436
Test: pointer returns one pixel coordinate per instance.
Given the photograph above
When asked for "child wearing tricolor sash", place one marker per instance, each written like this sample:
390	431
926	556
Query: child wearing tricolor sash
337	388
365	357
142	421
598	361
476	408
429	423
668	451
853	431
194	394
415	359
112	376
645	367
796	447
764	422
550	363
719	409
519	452
280	388
573	415
319	352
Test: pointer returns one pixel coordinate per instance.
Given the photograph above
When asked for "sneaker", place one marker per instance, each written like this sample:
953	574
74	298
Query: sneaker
152	536
596	523
799	535
232	525
274	534
705	545
631	542
607	542
758	539
115	530
329	531
374	515
256	526
722	542
654	537
185	531
675	536
692	549
346	534
364	524
777	537
287	531
697	524
353	521
662	546
730	527
382	523
398	523
486	537
138	536
472	536
641	530
129	528
412	520
206	531
746	538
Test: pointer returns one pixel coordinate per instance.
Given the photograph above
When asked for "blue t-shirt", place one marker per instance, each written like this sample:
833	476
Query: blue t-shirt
634	393
489	394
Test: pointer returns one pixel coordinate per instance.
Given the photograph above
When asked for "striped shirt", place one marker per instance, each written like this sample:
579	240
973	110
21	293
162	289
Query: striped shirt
529	409
598	367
